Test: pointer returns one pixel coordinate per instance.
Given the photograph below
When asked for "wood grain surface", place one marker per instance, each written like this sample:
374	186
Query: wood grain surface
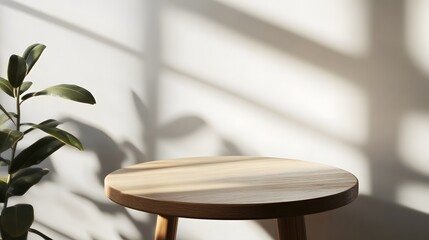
233	187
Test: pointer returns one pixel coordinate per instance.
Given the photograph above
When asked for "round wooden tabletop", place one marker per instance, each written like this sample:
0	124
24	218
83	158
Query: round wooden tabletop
234	187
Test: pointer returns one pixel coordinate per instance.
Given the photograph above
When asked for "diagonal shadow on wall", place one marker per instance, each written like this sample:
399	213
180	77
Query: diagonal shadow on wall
394	86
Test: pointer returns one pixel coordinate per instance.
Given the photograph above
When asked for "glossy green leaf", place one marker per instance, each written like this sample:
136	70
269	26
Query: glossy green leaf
52	123
24	87
32	54
24	179
7	114
61	135
67	91
35	153
4	118
16	220
9	237
3	110
16	70
3	162
8	138
3	189
6	87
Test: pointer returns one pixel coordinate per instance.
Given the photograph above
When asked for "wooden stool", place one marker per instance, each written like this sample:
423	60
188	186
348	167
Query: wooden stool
232	188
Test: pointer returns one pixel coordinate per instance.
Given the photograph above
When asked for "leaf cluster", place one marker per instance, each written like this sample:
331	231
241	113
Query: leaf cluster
23	173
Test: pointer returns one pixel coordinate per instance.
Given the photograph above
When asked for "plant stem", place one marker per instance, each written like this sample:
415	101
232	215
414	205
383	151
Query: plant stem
18	125
18	120
32	230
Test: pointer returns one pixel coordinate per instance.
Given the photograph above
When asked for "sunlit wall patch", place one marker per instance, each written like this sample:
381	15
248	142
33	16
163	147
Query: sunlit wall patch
414	195
417	33
297	90
413	141
340	25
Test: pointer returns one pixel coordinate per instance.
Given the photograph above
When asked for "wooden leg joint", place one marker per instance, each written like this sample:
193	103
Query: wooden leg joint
166	228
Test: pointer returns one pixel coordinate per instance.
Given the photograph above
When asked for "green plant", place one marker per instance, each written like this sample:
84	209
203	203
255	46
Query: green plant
16	221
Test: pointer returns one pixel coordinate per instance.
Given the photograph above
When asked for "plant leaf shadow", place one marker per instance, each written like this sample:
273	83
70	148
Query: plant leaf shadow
181	127
381	77
111	155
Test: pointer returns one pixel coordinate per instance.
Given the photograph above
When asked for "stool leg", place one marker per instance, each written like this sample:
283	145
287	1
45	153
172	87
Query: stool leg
166	228
291	228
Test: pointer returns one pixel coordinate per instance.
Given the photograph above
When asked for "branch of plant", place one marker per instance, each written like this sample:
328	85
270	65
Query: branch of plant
18	126
32	230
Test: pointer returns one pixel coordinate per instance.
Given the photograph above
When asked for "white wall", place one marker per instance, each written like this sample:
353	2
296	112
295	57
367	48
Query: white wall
343	82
